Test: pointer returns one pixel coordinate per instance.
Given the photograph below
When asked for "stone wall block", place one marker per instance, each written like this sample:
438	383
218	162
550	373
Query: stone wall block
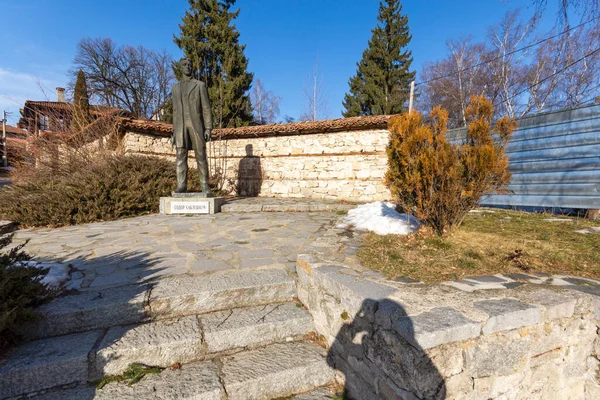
498	358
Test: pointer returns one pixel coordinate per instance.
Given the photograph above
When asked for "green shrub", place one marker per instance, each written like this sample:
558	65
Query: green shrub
20	291
102	188
439	182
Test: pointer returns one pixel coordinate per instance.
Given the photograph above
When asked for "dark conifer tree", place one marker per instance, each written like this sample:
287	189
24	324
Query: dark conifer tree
381	85
81	103
211	41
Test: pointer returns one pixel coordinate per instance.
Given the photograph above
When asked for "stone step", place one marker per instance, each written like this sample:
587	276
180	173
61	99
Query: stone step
167	298
275	371
193	338
319	394
47	363
199	381
89	356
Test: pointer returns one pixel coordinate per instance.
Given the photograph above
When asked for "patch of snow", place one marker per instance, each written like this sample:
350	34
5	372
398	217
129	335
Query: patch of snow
382	218
478	210
585	231
56	276
557	220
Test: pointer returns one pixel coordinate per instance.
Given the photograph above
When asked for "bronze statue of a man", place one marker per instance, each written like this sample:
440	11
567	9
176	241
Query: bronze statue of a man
192	126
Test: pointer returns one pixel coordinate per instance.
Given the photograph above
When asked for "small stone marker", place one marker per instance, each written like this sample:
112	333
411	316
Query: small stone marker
190	203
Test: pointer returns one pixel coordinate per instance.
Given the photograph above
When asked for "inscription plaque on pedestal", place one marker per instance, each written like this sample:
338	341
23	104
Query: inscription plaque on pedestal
190	203
189	207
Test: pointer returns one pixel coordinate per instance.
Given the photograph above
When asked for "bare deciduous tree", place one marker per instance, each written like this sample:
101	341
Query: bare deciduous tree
316	106
585	8
133	78
507	67
451	81
265	104
519	75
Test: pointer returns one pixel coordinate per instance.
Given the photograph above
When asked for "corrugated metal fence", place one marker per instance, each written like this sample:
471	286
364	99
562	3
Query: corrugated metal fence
554	160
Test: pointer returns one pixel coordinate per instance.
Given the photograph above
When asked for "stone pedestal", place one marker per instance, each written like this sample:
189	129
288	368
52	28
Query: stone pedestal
191	203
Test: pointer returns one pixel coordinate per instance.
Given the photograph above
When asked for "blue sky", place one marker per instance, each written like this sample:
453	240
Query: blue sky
283	39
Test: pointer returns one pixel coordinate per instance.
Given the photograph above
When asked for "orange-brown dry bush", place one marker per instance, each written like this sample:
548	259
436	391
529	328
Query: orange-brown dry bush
437	181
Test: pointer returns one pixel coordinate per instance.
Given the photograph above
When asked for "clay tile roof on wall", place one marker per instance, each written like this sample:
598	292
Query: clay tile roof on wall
295	128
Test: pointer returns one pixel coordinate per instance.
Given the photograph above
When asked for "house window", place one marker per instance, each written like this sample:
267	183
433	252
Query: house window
44	124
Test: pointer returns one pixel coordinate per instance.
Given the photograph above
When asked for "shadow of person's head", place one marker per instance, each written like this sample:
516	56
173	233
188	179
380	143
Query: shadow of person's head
380	358
248	150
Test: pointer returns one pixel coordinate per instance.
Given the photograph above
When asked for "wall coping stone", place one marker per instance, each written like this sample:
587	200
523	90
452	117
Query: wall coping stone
439	314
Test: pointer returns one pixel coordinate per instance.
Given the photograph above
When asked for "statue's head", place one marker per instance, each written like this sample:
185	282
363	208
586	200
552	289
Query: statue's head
186	66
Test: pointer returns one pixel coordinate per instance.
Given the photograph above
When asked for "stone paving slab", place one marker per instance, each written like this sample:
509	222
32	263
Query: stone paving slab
160	344
255	326
144	249
198	381
275	371
47	363
219	291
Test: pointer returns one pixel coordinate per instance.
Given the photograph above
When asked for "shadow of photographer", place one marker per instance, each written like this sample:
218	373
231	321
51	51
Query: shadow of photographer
380	358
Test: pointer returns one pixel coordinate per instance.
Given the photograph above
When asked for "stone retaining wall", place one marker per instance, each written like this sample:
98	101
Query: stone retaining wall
396	340
342	165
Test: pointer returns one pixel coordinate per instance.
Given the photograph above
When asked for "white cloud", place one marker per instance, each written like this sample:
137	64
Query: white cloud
16	87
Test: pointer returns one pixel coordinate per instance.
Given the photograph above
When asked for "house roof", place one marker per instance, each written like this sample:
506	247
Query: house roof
295	128
61	105
15	131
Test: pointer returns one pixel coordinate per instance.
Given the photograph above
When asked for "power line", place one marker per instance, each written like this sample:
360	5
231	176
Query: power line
585	92
548	77
507	54
592	98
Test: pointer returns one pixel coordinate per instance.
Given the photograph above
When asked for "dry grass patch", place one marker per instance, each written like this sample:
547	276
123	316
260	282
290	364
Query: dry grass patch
487	243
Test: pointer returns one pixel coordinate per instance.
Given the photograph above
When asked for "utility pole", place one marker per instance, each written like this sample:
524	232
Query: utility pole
4	159
412	94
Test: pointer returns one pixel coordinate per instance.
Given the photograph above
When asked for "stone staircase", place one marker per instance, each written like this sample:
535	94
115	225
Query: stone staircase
225	335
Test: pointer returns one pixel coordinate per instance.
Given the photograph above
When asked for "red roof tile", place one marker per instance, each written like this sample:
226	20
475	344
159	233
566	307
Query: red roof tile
61	105
14	130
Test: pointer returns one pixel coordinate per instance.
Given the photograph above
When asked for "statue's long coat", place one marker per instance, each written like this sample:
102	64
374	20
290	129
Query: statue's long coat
200	114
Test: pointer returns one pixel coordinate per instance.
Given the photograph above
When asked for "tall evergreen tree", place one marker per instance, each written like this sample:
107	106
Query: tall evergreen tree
211	41
81	103
382	82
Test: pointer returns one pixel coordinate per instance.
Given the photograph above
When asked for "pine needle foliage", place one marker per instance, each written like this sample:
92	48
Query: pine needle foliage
437	181
20	291
210	40
381	85
81	103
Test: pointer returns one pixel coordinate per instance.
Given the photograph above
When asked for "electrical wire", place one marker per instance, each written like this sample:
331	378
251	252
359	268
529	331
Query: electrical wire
548	77
507	54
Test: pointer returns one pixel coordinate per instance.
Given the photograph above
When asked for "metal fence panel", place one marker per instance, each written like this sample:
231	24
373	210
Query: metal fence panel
554	160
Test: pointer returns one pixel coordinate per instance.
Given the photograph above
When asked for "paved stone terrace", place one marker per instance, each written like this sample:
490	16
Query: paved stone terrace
138	249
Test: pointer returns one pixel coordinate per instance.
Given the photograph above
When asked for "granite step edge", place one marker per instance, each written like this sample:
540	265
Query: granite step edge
167	298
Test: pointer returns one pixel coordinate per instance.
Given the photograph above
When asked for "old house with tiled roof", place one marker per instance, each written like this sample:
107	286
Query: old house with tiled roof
39	117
